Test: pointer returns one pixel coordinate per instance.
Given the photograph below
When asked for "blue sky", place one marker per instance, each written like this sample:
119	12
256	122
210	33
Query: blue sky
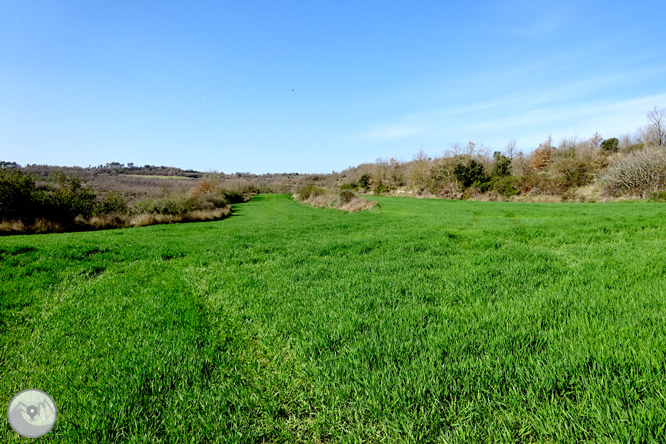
317	86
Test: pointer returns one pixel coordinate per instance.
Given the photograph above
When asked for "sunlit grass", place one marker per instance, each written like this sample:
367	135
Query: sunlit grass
419	321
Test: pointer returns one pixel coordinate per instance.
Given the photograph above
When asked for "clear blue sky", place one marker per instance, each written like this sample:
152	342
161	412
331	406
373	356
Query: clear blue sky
316	86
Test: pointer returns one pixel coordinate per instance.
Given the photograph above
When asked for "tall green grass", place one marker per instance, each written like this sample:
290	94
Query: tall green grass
419	321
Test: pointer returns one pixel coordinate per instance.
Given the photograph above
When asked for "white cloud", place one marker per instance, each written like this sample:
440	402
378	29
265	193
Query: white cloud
529	120
518	102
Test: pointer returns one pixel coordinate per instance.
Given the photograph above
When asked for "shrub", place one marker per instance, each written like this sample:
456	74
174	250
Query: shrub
232	191
381	189
575	172
182	204
538	183
640	173
502	167
467	171
505	186
235	196
67	198
346	196
310	191
210	201
364	181
482	186
471	193
17	191
113	203
659	196
203	186
610	145
441	177
349	186
171	205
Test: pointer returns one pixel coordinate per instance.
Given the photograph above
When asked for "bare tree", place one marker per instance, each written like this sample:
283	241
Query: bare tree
596	140
396	176
380	174
656	131
471	149
510	149
456	150
569	144
625	142
520	165
419	171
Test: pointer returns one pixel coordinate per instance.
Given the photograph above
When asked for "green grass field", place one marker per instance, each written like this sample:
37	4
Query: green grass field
420	321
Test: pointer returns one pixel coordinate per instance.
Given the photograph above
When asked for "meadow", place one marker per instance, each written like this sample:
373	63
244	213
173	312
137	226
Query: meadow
416	321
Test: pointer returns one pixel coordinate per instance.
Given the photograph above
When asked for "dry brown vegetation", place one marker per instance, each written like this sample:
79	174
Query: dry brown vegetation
111	221
640	174
68	203
351	205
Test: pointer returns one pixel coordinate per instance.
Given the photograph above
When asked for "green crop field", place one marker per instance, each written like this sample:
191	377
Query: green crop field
419	321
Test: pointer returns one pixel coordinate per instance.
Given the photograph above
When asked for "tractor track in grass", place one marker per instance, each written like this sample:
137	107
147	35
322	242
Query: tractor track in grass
430	321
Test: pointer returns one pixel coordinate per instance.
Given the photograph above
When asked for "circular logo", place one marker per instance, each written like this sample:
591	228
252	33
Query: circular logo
32	413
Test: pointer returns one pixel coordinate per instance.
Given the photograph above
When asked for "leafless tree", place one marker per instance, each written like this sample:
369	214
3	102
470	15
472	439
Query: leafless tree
625	142
396	173
456	150
380	172
596	140
471	149
656	131
419	170
510	149
520	165
568	144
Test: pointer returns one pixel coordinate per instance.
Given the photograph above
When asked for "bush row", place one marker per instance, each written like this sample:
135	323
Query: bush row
66	198
560	172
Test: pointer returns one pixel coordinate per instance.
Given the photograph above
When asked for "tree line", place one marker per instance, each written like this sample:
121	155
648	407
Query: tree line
632	165
575	169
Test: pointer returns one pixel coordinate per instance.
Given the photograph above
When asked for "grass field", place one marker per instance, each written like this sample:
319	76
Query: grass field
420	321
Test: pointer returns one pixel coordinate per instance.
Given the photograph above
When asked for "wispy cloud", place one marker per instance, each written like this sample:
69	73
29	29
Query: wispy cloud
531	126
529	119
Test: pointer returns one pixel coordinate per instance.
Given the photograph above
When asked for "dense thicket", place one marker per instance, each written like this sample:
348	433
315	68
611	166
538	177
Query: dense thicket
62	200
641	173
65	201
576	169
